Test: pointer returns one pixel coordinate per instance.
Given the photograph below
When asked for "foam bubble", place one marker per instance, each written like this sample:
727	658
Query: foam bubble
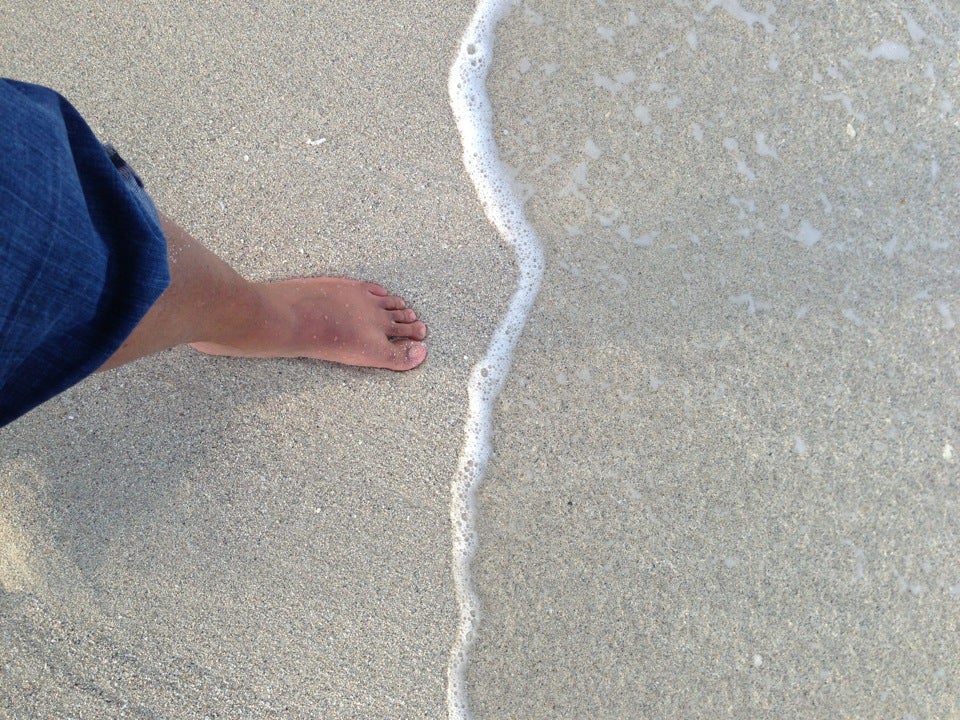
763	149
800	446
917	33
888	50
504	208
807	234
948	321
737	11
747	300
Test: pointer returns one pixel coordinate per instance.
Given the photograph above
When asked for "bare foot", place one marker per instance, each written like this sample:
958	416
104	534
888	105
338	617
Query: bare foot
344	321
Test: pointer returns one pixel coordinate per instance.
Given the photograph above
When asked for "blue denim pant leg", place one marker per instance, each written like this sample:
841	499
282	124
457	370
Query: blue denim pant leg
82	253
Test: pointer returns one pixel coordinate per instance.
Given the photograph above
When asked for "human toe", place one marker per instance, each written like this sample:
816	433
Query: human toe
414	330
392	302
403	316
407	354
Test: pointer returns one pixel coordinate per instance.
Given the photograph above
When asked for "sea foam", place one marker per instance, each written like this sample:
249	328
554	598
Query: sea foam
503	207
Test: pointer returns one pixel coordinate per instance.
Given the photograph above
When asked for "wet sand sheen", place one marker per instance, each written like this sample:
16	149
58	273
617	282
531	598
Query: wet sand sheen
724	478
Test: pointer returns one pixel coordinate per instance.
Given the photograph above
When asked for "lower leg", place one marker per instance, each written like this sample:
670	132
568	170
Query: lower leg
213	308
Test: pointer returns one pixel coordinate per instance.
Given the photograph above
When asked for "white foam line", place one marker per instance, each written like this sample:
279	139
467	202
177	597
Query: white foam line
474	118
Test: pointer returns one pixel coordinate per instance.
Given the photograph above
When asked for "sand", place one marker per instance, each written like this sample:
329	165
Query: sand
198	537
726	474
725	471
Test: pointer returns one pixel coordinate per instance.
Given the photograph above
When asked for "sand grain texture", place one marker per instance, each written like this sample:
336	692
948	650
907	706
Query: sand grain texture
198	537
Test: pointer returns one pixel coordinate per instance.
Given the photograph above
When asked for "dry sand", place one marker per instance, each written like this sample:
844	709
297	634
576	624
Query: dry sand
197	537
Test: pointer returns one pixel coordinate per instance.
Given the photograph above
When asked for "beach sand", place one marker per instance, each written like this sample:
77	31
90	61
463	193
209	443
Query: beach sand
199	537
725	479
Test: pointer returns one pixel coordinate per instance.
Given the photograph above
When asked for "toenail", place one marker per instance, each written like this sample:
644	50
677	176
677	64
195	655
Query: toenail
416	352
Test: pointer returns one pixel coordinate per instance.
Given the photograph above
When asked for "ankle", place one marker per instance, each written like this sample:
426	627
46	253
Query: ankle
243	315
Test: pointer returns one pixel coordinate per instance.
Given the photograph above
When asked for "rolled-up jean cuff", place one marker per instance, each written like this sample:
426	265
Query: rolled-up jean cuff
133	180
83	256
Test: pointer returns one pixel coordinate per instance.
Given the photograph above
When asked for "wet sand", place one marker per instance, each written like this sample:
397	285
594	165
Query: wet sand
726	471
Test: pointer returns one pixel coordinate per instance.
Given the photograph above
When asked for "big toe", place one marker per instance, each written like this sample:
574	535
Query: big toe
407	354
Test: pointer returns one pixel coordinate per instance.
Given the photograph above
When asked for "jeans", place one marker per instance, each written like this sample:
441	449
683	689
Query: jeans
82	254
